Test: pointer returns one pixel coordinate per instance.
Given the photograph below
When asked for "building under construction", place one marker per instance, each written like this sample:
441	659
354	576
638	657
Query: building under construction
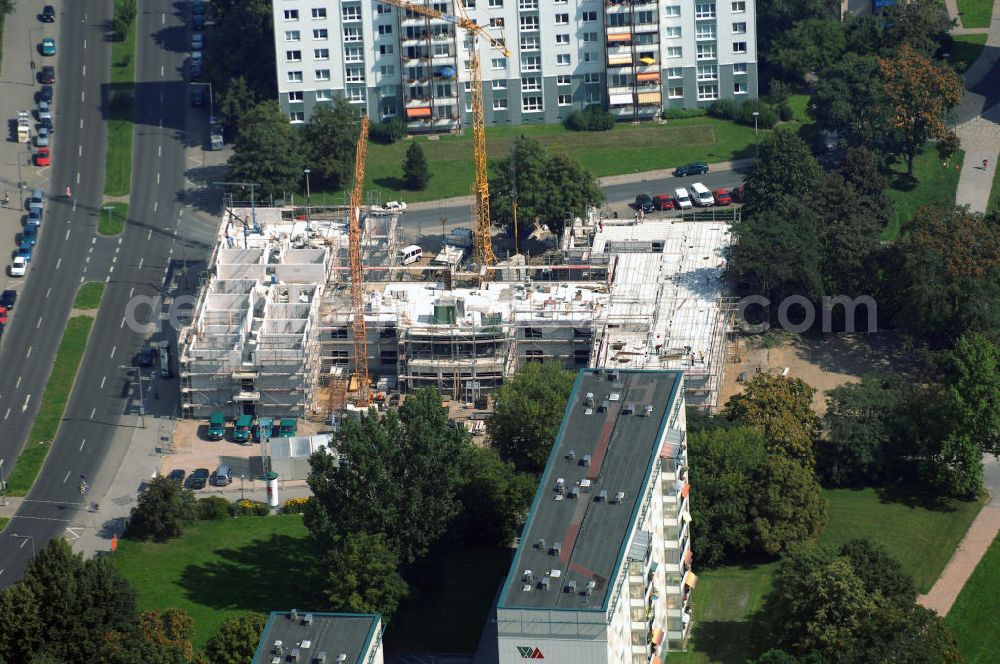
272	332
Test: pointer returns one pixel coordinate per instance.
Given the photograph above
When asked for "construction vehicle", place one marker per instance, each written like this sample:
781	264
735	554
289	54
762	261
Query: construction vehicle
288	427
216	426
482	226
241	431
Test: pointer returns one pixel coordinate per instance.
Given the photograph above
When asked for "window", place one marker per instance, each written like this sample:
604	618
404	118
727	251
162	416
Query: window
497	63
292	35
295	95
564	79
352	34
353	74
443	90
499	84
355	95
706	51
707	73
739	88
705	31
562	19
527	5
469	4
387	70
588	56
675	72
530	23
322	75
704	10
324	95
385	29
674	32
385	49
531	104
348	13
589	17
562	39
496	22
708	92
293	56
320	34
530	43
740	68
321	54
319	12
592	77
468	86
531	84
499	104
739	7
675	92
297	116
673	11
593	97
291	14
354	54
565	100
531	63
642	18
495	4
674	51
740	28
739	47
294	77
383	9
589	36
563	59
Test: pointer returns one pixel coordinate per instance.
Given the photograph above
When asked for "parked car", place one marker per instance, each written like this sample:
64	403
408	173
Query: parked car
222	476
701	195
196	70
47	75
739	194
694	168
177	475
197	41
42	157
216	426
42	137
197	97
197	7
17	267
663	202
3	315
644	203
199	478
198	21
34	216
43	107
30	234
45	94
8	298
682	199
45	120
722	197
48	46
48	14
146	357
26	249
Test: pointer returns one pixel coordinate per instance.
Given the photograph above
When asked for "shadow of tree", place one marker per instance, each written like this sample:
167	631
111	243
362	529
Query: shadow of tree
724	641
391	182
910	496
279	571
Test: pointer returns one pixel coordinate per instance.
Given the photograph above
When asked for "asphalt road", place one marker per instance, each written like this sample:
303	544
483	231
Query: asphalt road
421	223
103	407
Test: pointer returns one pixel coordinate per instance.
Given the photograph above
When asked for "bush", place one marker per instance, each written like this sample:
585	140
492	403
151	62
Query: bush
214	508
593	118
778	92
766	120
727	109
683	113
250	508
387	133
785	112
295	506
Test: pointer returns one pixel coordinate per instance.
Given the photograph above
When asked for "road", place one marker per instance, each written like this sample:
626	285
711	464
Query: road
103	407
416	224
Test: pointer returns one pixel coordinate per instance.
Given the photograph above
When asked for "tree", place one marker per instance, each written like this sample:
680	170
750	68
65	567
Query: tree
124	17
913	635
879	572
162	511
397	474
363	576
330	141
849	98
415	170
495	497
267	151
919	24
549	188
786	171
233	103
786	505
252	56
527	414
948	146
777	17
236	640
810	46
781	409
21	630
157	638
920	93
974	390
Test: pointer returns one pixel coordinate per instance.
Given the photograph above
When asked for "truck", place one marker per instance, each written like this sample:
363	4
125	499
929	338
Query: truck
288	427
459	237
241	432
23	127
216	426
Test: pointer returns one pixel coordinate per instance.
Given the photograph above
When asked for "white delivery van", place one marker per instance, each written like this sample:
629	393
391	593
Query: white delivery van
702	196
681	198
410	254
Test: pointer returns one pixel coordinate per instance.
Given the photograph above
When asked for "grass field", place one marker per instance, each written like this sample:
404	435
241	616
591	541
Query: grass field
973	616
965	49
4	520
218	569
932	182
89	295
50	413
921	533
975	13
118	161
995	191
111	221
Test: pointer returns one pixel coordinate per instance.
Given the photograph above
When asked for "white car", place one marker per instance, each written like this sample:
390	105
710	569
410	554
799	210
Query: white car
18	267
395	206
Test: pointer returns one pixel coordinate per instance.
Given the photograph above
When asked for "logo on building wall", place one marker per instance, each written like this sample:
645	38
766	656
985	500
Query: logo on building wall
528	652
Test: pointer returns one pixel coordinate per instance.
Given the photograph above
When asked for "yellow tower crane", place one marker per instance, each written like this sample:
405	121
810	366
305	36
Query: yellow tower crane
357	278
482	239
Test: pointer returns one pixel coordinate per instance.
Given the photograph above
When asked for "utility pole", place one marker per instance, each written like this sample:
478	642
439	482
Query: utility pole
513	198
308	194
756	134
3	484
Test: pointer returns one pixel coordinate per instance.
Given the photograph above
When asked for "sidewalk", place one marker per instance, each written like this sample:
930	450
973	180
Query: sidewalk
972	548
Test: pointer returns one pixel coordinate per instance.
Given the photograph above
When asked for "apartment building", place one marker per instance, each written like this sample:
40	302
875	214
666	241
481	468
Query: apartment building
320	638
602	572
634	57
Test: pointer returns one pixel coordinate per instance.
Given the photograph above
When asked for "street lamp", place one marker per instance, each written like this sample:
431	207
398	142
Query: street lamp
109	209
31	538
308	194
756	134
3	484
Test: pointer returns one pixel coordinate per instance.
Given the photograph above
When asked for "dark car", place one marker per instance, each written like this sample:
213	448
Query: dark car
738	194
45	94
197	7
198	21
663	202
146	357
694	168
47	75
644	202
48	14
197	97
177	475
199	478
722	197
196	70
7	299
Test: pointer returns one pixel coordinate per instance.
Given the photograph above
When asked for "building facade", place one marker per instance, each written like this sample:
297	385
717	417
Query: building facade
602	573
633	57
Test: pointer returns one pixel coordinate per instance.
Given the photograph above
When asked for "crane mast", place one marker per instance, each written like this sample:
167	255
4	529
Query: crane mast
357	278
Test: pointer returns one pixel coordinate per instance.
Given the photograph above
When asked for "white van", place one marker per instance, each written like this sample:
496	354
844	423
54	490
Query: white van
681	198
410	254
702	196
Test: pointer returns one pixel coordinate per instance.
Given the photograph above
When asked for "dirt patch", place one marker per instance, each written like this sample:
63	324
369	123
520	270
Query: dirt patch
823	361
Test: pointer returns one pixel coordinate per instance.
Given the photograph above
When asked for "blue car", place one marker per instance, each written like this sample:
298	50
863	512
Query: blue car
29	237
45	94
25	250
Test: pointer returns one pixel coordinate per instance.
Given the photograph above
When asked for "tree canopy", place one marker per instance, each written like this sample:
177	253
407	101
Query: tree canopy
267	151
495	497
362	575
162	511
785	172
235	641
781	409
415	170
330	141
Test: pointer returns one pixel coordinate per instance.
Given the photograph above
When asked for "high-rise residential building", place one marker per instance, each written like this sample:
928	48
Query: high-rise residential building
602	573
633	57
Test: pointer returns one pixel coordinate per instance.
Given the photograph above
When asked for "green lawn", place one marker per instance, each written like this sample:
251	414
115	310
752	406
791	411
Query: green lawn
89	295
627	148
4	520
50	413
118	161
218	569
112	221
975	13
995	191
965	49
973	616
798	104
932	182
920	532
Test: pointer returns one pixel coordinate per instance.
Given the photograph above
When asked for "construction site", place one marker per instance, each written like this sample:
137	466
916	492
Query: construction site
277	330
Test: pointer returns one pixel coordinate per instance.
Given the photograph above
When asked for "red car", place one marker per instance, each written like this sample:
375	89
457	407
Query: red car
43	157
663	202
3	315
722	197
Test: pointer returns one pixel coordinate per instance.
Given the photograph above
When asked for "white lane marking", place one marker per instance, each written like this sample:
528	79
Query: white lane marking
92	411
83	95
18	383
123	323
58	263
82	443
111	269
163	19
78	182
85	43
161	76
149	236
119	240
157	178
28	354
107	279
7	414
159	150
114	259
156	204
93	240
47	293
25	406
104	378
87	259
141	259
85	70
67	234
117	249
79	151
81	123
39	323
113	349
131	290
83	278
23	542
67	476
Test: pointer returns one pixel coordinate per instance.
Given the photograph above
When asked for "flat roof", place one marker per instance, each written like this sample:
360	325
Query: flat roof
333	633
609	446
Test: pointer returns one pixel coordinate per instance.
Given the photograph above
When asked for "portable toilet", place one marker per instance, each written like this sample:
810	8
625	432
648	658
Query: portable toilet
263	429
288	427
241	434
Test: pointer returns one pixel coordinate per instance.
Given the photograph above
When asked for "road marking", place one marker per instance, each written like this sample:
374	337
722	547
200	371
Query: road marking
156	204
85	70
93	240
18	383
47	293
24	541
113	349
161	76
157	178
141	259
7	414
81	123
67	476
87	259
119	240
25	406
111	269
72	531
92	411
28	354
83	95
159	150
83	278
114	259
84	442
171	249
79	151
149	236
102	381
181	213
107	279
67	234
58	263
85	43
131	290
123	323
163	19
117	249
78	182
39	323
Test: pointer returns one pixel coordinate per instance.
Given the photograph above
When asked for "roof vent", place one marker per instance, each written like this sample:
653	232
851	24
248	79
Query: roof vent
574	492
602	496
320	657
294	615
613	376
571	455
560	485
308	619
342	657
545	583
614	396
528	576
306	644
647	410
619	497
591	585
556	549
571	586
589	399
586	460
628	409
540	544
275	660
278	648
604	406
